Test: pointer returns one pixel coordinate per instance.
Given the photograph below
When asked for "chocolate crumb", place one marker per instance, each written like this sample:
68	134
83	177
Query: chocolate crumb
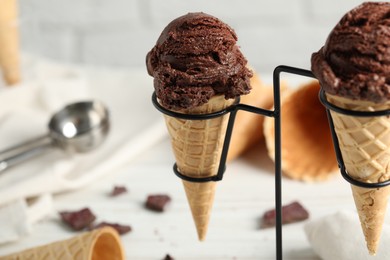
121	229
157	202
118	190
168	257
291	213
78	220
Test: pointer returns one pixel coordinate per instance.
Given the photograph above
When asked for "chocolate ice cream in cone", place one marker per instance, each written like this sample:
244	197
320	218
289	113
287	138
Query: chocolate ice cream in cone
198	69
354	70
99	244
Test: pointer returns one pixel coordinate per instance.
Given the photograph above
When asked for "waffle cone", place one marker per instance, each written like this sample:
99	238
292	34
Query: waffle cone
99	244
307	147
197	146
9	42
248	127
365	147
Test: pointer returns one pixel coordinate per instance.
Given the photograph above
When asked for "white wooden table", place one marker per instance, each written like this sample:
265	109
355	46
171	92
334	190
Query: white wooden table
246	191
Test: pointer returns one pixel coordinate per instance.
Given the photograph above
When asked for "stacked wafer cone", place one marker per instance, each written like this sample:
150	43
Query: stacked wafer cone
100	244
9	42
365	146
197	146
307	147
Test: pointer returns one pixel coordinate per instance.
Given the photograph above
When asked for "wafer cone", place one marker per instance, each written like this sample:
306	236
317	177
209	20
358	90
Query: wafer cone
100	244
365	146
307	147
197	146
248	127
9	42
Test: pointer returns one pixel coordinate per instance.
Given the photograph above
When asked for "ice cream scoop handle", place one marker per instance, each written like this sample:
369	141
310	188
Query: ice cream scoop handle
23	152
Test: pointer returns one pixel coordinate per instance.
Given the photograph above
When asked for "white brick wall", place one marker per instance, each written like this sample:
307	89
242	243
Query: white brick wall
121	32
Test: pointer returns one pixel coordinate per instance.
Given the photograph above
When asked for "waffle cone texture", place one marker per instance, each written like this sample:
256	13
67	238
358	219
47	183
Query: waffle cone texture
248	127
365	147
9	42
100	244
307	147
197	146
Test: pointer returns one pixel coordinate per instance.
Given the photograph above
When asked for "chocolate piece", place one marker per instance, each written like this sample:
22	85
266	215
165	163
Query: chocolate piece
157	202
291	213
168	257
194	59
355	61
78	220
121	229
118	190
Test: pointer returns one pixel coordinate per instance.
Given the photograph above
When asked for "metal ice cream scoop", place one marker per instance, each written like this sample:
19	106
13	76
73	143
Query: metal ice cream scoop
78	127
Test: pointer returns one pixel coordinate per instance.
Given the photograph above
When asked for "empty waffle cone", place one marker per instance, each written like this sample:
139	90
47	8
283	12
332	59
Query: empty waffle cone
248	127
100	244
365	147
197	146
307	147
9	42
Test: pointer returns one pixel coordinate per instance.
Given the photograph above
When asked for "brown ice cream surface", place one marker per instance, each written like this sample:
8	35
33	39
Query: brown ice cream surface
355	61
194	59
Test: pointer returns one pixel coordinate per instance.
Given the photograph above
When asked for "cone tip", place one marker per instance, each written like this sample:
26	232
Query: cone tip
372	249
201	233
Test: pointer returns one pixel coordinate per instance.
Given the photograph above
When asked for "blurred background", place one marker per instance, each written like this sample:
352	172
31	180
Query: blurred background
121	32
112	37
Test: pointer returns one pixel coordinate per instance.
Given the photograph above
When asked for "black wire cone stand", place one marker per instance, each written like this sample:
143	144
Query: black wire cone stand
276	114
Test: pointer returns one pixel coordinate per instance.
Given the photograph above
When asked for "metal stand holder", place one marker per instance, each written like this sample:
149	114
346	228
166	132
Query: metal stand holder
276	114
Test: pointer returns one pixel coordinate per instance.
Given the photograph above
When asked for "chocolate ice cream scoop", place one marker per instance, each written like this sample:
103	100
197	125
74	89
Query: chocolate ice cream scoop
354	69
194	59
355	61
